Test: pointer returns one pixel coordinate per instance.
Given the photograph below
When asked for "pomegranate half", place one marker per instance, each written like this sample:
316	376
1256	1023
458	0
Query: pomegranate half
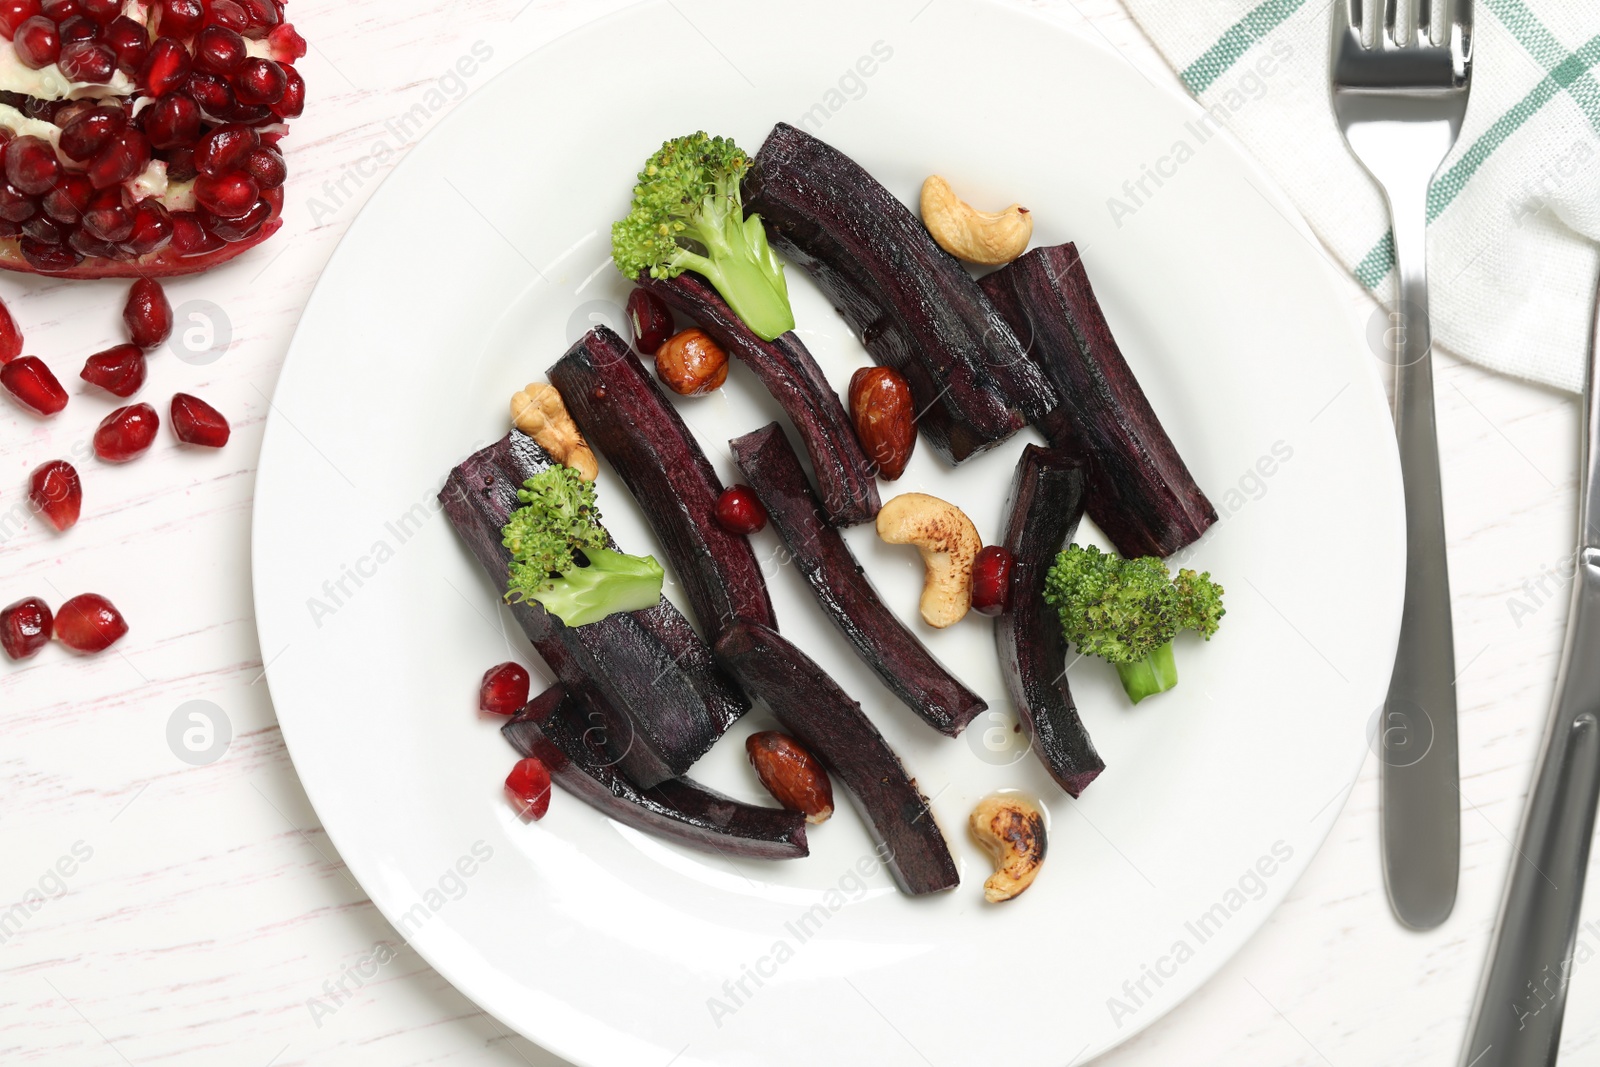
139	138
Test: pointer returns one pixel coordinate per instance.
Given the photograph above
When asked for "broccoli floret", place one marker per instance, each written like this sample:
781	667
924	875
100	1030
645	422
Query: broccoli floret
688	214
1127	611
559	555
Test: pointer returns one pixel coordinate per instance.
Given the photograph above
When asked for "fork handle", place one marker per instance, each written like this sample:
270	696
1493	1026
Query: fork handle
1419	767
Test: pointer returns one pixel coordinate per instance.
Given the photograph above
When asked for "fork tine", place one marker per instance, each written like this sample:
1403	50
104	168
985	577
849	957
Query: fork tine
1369	13
1394	28
1352	15
1459	32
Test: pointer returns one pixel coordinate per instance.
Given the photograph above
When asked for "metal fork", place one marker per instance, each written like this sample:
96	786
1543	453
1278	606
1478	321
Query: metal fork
1400	102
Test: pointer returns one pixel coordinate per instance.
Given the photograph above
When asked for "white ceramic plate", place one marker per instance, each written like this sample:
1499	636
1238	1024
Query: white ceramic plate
486	254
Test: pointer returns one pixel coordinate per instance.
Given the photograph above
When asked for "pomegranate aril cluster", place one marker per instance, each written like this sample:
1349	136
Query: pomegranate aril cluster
200	66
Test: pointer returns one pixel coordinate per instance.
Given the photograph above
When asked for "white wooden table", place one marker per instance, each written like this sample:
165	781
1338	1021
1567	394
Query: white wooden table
207	919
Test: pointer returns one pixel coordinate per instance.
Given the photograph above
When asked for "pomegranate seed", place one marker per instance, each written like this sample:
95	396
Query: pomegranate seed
197	423
126	154
31	382
15	205
152	229
106	219
287	44
67	110
248	114
25	627
739	512
88	61
102	11
126	433
991	580
47	258
77	28
293	103
267	167
37	43
180	164
89	246
528	785
504	689
10	335
67	201
228	14
244	227
180	18
166	67
259	81
130	42
9	228
43	229
225	148
172	120
119	370
652	322
263	17
190	237
228	196
31	165
61	10
218	50
148	314
56	493
89	623
214	95
14	13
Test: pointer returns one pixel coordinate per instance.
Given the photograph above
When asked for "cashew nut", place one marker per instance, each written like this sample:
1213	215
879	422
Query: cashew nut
948	542
987	237
1012	831
539	412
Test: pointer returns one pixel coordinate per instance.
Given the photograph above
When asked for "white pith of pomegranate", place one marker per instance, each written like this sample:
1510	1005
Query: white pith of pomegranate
140	139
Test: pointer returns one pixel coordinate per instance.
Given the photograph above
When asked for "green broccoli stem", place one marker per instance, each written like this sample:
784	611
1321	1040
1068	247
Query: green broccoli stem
747	287
1156	673
612	582
743	268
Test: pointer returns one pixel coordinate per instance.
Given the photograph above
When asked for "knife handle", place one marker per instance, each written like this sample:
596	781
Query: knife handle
1517	1019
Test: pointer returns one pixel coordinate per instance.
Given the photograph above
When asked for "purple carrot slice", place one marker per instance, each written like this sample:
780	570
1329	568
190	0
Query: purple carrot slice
623	413
914	305
813	708
692	656
1140	492
552	728
659	703
1046	505
881	640
845	477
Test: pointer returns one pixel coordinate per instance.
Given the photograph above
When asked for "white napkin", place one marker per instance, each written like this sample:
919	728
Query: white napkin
1515	211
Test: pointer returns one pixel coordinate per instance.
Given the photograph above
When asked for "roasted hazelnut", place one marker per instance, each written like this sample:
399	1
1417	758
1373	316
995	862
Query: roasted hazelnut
691	363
